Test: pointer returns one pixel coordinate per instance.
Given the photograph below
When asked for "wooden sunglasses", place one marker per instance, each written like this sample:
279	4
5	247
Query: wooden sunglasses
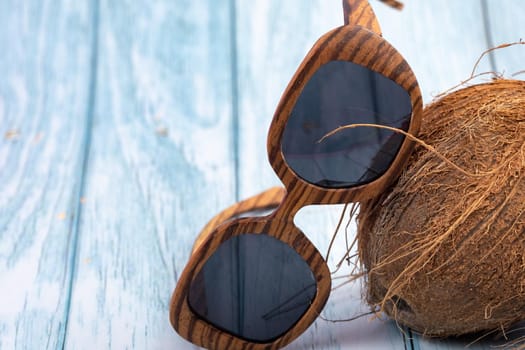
253	279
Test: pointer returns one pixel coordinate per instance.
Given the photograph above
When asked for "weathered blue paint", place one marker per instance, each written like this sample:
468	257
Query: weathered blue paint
124	126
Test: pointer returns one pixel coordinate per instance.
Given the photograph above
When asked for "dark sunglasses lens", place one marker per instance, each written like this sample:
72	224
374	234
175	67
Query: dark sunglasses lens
254	287
343	93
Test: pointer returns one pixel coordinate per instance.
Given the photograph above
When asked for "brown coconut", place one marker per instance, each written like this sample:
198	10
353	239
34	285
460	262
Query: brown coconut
444	247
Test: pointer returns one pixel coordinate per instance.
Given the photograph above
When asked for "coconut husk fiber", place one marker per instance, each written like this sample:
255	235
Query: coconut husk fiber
444	248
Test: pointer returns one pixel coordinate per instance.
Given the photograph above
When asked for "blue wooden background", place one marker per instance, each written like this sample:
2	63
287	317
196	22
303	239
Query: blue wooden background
125	125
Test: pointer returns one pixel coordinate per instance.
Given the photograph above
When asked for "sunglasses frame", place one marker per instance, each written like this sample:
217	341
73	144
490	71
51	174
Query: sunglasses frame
360	43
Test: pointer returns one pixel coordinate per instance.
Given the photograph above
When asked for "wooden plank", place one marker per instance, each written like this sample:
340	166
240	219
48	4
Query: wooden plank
272	39
44	94
505	25
161	164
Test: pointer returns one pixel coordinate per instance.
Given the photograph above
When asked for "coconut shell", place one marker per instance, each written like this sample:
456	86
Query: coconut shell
444	247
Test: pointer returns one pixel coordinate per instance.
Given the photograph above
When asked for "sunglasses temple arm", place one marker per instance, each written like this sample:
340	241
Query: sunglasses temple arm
360	13
268	199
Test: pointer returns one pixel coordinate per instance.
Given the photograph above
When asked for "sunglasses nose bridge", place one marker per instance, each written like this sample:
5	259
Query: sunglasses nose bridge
292	202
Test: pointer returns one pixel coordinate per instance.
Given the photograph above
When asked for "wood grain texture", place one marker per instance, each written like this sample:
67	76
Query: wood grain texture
183	98
160	165
45	70
265	28
351	44
360	13
277	225
441	40
268	200
344	44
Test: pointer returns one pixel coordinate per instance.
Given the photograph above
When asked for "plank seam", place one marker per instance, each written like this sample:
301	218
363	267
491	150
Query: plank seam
235	97
414	345
488	34
81	171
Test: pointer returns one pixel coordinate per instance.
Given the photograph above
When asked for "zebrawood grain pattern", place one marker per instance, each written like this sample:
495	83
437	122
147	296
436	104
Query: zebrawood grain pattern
276	225
45	72
348	43
441	39
209	72
394	3
269	200
264	29
360	13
